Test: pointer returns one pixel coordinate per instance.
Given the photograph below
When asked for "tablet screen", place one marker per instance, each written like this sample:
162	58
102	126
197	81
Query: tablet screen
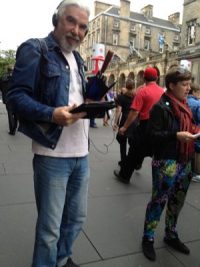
94	109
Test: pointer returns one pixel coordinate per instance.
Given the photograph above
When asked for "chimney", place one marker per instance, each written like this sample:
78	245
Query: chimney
100	7
125	8
147	11
174	18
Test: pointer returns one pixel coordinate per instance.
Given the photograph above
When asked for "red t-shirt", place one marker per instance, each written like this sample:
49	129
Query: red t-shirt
145	98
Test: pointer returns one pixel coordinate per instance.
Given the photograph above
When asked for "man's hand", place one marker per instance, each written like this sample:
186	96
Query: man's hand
115	127
62	115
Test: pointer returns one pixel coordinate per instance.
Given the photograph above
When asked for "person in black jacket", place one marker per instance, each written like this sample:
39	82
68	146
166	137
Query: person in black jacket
123	102
171	130
4	87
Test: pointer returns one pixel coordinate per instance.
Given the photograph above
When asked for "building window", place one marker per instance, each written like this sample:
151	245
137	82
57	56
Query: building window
132	41
89	63
116	23
191	32
132	44
146	44
176	37
132	27
98	37
93	25
148	30
98	22
88	41
115	38
93	39
175	47
161	42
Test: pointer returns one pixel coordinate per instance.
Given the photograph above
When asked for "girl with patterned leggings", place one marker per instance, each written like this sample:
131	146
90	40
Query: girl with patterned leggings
171	129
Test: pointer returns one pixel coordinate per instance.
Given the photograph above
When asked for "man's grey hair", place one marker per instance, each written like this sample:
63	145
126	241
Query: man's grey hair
80	3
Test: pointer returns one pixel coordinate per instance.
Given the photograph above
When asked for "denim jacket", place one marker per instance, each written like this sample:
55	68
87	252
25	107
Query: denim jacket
39	84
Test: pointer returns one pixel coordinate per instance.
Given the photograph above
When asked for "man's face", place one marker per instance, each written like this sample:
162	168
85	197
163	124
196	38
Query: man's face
71	28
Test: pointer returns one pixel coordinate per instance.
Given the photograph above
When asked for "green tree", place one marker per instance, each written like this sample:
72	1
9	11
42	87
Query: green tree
7	59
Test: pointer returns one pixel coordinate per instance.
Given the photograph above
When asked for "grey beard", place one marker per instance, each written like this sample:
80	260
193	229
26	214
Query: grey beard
66	47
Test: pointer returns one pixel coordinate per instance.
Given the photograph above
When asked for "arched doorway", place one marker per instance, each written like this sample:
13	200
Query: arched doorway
111	80
131	76
158	71
122	80
139	79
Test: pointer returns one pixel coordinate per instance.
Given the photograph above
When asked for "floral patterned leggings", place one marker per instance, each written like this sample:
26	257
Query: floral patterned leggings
170	183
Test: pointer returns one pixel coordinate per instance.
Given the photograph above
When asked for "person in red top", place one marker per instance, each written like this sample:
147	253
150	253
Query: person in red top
146	97
143	102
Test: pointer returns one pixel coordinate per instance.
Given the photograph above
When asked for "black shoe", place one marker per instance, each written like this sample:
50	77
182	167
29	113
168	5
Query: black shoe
12	132
120	178
148	250
176	244
93	126
70	263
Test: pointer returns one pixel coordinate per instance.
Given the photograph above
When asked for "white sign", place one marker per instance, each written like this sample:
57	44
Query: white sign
98	51
186	64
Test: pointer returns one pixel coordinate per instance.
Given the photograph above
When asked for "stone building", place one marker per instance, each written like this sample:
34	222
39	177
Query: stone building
132	36
127	33
190	36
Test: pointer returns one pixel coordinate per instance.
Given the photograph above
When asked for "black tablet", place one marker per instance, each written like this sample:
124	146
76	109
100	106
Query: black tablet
94	109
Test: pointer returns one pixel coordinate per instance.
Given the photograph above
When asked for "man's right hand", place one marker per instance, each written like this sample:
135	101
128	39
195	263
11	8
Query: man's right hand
64	117
115	127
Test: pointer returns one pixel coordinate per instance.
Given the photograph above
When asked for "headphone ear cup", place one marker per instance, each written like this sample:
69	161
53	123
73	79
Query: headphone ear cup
54	19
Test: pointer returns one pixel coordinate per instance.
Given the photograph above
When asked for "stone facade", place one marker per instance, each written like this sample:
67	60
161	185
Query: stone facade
190	36
129	34
134	39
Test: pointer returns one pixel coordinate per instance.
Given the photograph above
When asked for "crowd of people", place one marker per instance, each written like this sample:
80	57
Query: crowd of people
47	83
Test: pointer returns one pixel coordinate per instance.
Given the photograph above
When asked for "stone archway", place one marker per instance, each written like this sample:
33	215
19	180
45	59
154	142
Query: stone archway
158	71
140	79
111	80
131	76
122	80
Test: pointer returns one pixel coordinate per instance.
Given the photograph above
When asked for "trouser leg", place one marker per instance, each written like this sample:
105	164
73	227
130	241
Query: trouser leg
134	158
123	149
75	210
177	198
164	174
12	120
127	167
61	205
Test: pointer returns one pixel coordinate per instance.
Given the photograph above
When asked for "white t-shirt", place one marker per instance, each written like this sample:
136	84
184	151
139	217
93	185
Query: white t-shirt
73	141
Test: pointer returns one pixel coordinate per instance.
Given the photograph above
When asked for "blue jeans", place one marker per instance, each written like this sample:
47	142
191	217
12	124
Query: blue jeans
61	187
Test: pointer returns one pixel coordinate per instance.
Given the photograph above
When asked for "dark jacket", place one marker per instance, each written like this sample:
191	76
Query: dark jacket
5	85
162	128
40	83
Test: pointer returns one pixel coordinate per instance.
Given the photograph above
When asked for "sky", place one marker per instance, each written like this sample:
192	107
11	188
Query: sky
24	19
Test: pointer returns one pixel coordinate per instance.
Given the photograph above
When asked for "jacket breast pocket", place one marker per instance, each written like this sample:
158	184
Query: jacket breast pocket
50	78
